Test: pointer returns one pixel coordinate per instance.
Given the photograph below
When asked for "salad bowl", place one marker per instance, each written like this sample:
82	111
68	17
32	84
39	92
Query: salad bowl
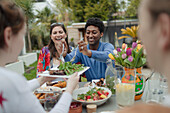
84	90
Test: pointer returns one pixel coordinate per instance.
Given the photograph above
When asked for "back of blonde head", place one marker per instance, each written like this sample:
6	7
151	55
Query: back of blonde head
156	7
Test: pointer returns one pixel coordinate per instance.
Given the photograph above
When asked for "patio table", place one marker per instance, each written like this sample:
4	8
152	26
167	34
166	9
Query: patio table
109	105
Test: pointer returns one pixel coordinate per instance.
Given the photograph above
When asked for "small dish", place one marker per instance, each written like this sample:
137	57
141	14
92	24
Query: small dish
42	91
86	89
75	107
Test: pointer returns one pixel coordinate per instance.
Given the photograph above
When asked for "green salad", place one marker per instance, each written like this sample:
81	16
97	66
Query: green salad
70	68
93	95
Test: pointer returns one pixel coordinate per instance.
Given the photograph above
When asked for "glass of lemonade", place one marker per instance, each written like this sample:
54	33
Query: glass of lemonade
125	87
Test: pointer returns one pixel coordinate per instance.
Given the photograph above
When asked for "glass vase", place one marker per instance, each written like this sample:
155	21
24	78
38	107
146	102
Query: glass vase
110	76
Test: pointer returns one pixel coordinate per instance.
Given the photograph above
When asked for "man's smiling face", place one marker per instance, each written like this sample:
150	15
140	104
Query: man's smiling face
93	35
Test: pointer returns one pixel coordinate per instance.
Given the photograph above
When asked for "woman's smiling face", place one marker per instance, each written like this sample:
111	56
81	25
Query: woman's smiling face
58	34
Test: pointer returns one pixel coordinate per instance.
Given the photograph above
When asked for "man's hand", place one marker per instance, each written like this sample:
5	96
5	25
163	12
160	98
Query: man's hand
83	48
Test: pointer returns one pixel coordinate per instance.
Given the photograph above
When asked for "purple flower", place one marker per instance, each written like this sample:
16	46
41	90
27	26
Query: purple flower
124	55
118	49
129	51
130	58
134	44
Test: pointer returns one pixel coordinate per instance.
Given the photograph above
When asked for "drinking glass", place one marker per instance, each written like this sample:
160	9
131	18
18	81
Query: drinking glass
50	101
125	87
157	88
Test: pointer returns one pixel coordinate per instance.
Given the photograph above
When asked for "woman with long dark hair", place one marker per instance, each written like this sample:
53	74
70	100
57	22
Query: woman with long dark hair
49	55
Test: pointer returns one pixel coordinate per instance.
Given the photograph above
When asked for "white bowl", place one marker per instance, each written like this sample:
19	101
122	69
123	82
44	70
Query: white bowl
48	89
86	89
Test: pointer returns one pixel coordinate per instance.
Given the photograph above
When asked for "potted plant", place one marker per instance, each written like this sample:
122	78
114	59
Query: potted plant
130	33
131	59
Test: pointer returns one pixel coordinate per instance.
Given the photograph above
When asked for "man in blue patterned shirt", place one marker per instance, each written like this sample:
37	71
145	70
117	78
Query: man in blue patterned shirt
95	53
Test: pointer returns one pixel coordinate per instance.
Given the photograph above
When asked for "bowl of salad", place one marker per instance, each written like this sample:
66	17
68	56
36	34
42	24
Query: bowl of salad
89	95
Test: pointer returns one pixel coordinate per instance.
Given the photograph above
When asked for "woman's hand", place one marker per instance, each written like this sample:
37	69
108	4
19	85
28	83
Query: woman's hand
44	79
72	83
59	47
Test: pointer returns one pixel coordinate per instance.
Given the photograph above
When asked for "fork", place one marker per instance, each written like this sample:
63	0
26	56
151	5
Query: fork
61	55
74	57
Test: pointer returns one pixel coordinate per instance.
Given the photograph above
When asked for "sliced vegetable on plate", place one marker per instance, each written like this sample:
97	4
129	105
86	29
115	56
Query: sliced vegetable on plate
93	95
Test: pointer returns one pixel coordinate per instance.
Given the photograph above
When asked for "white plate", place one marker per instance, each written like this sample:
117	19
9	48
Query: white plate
48	89
46	73
45	85
86	89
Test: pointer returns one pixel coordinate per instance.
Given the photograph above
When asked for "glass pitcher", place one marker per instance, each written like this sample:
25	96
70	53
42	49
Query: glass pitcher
125	87
110	76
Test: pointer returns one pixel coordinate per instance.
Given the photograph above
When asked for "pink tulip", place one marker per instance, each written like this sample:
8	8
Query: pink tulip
130	58
124	55
134	44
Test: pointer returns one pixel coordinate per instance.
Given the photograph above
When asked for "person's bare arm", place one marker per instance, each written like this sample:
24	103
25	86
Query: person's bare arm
145	108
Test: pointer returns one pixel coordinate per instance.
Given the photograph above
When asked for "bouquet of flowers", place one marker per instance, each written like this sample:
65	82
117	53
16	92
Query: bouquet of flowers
129	57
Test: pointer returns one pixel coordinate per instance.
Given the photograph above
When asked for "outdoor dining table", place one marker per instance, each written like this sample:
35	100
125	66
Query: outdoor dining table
109	105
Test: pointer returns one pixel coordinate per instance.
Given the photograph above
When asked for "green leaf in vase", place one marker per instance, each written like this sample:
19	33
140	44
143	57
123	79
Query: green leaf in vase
107	77
110	83
138	55
133	53
143	61
140	63
128	62
112	78
113	91
118	60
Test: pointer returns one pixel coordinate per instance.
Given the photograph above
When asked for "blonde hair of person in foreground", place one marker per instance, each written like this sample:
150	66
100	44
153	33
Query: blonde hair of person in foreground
154	22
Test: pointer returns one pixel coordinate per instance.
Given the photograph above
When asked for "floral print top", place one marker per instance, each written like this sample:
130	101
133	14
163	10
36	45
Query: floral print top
43	60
